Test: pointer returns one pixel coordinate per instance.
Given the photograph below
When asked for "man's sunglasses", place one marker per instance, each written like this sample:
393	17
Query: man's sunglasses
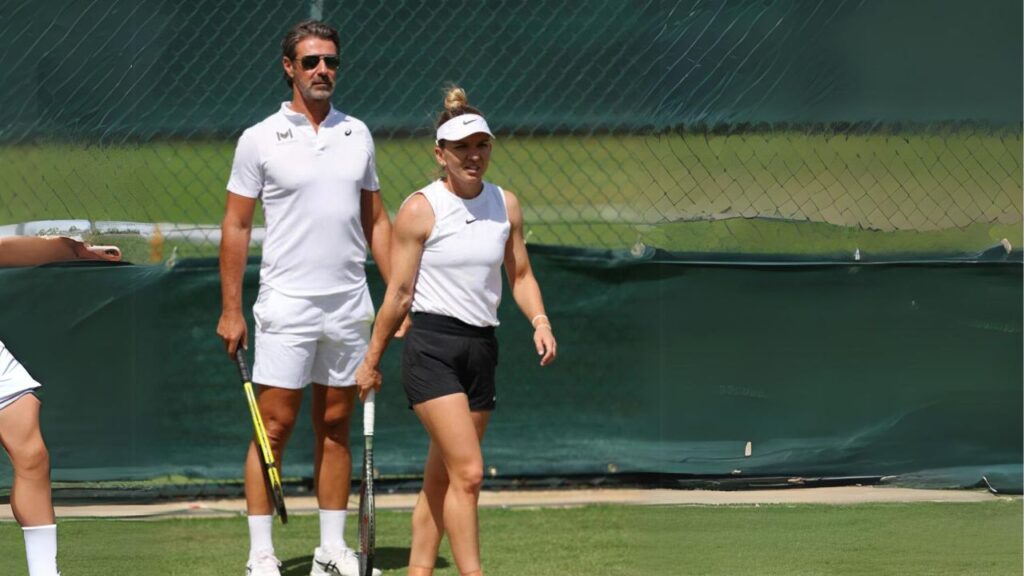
313	60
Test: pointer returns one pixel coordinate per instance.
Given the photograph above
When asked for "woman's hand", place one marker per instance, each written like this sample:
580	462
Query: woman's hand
544	338
368	378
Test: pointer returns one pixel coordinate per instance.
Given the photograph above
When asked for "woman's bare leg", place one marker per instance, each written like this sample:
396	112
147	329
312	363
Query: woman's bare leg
451	487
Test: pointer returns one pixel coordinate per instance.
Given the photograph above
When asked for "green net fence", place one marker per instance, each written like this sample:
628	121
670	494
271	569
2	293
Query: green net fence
828	370
721	126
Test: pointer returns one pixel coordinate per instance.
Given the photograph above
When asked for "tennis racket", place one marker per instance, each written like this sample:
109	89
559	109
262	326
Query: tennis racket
367	509
270	474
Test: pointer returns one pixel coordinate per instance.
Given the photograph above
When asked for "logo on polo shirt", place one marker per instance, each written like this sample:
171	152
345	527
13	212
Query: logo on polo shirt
284	135
348	132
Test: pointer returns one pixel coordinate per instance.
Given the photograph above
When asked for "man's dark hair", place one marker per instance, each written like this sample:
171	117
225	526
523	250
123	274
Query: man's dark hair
300	32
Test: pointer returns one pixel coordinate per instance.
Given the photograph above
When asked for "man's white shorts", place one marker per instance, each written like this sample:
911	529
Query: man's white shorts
15	381
320	339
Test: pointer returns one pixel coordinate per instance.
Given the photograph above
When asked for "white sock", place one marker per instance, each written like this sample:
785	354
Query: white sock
332	529
260	539
41	549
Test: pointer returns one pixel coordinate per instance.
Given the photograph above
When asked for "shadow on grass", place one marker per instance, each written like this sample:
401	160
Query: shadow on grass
296	566
391	558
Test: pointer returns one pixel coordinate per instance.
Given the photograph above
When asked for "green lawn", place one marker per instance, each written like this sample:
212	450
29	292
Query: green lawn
780	192
906	539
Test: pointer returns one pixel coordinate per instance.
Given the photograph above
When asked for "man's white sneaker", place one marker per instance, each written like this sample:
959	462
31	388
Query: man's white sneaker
336	563
263	564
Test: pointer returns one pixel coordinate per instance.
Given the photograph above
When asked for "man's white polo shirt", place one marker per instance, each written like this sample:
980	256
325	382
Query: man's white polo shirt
309	183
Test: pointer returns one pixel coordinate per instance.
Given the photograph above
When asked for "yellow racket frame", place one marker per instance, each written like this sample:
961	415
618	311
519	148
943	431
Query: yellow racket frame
261	438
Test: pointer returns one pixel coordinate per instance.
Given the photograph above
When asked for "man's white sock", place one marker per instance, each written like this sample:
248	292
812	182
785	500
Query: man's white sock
332	529
41	549
260	539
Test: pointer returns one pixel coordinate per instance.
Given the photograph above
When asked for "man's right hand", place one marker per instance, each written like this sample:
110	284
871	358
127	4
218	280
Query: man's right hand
232	329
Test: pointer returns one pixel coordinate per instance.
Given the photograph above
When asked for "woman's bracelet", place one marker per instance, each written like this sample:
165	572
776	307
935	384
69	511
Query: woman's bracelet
533	321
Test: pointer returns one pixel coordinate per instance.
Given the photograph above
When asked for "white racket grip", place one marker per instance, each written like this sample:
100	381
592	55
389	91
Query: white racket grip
369	413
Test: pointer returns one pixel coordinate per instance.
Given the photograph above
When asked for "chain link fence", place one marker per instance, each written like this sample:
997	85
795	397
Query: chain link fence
696	126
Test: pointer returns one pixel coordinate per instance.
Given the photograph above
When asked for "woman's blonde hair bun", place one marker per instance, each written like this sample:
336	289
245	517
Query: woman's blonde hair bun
455	99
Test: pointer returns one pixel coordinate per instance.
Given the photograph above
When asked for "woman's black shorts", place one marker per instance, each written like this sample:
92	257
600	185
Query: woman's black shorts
443	356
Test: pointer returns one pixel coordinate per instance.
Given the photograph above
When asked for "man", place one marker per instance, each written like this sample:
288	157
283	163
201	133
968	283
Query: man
20	434
313	168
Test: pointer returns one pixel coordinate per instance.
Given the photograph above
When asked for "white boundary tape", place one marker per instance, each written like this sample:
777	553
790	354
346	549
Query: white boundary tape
197	233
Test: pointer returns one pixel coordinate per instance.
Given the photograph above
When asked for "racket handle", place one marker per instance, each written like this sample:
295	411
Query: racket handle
243	369
369	413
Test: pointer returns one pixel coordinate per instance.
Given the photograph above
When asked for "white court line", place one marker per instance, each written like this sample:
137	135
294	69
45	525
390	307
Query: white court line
842	495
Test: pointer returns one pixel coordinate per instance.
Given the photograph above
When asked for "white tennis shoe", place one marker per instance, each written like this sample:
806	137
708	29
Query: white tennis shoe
263	564
336	563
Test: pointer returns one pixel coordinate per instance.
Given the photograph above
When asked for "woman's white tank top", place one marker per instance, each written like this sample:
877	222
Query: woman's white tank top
460	271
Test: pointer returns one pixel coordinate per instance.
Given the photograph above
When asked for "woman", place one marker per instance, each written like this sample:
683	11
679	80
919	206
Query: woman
448	244
19	411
